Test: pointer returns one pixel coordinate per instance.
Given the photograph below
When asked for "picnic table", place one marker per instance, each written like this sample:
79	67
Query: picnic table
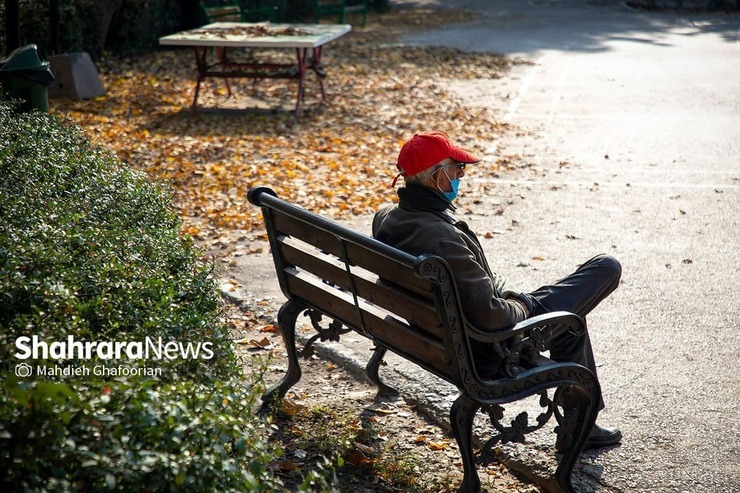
216	39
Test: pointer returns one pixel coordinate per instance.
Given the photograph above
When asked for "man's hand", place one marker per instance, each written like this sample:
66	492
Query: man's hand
523	305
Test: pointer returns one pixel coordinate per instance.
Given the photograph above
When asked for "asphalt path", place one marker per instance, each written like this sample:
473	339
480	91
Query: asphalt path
629	125
632	128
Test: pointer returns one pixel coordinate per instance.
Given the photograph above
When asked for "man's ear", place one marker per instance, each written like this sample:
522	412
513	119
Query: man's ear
441	181
434	179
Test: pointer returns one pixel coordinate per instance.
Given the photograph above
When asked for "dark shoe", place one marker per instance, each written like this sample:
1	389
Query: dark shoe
602	437
599	437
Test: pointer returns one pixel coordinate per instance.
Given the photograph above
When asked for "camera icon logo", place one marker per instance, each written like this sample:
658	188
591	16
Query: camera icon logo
23	370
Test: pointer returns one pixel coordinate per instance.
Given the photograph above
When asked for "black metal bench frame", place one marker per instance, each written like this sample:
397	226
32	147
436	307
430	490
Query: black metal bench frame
410	305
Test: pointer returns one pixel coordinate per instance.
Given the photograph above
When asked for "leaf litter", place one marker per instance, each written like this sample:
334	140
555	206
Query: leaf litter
336	159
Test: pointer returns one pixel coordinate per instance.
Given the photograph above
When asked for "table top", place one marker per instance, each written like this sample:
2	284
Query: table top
258	35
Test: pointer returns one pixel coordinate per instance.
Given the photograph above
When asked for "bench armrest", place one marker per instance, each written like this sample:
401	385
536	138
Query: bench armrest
520	346
548	326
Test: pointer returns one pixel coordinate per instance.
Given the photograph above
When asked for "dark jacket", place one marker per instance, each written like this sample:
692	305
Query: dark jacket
420	224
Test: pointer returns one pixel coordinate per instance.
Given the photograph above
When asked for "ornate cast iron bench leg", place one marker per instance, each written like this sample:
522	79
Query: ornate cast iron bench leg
583	410
461	418
287	317
580	404
372	372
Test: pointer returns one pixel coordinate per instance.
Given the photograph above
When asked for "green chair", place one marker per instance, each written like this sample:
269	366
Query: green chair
221	11
340	8
261	10
240	11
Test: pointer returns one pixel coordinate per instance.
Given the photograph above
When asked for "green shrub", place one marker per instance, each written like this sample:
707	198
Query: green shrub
132	435
90	249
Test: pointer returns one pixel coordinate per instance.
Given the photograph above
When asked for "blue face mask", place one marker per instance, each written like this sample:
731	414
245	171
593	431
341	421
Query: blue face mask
455	184
452	194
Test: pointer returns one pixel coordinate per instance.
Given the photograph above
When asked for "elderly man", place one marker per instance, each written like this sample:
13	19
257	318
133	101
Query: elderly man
432	167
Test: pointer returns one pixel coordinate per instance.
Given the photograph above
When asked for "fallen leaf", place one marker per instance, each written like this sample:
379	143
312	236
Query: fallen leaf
290	408
357	458
263	344
368	451
385	411
289	465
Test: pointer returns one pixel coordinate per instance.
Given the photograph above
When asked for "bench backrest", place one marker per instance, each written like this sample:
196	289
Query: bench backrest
408	304
341	8
221	12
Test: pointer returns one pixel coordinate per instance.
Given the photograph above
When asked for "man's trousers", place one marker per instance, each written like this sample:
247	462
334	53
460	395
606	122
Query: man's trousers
577	293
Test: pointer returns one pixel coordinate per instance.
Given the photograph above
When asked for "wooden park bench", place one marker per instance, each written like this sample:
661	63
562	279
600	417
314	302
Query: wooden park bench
410	305
340	9
236	11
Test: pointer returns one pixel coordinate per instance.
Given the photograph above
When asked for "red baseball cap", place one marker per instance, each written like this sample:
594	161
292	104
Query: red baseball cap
426	149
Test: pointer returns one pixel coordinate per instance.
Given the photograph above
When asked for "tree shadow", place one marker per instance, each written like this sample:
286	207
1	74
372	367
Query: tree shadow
587	26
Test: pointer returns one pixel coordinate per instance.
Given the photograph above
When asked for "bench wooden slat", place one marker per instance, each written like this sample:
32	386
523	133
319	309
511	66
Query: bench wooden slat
388	269
416	310
223	13
406	340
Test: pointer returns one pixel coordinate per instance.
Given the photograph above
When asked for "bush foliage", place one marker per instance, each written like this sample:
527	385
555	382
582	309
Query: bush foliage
91	249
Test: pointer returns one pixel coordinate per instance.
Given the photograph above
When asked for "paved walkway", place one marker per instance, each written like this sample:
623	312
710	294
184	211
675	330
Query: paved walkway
630	124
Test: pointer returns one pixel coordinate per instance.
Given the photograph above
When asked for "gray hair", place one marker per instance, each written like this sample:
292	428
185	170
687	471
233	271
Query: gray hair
424	177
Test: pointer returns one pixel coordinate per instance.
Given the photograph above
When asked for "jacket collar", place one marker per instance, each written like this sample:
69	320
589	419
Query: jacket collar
416	198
